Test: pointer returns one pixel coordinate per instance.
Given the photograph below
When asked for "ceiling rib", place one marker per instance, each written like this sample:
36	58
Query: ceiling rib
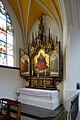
53	5
27	20
18	1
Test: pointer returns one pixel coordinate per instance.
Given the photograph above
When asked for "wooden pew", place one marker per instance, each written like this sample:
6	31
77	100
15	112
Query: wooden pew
6	105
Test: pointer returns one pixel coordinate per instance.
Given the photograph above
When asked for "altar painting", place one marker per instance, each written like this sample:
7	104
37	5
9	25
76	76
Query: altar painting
24	63
54	63
40	64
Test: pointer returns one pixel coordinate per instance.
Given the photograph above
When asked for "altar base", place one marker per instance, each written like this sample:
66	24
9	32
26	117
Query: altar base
48	99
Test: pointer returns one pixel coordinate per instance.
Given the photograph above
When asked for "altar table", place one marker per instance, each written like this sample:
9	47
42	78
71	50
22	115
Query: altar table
48	99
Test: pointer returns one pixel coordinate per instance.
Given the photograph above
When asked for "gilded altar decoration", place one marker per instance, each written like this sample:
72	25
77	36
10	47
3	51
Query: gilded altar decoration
43	61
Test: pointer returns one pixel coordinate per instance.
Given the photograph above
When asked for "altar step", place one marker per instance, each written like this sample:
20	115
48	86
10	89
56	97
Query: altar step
44	114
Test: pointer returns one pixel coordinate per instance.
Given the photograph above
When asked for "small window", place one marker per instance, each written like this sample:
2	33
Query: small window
6	38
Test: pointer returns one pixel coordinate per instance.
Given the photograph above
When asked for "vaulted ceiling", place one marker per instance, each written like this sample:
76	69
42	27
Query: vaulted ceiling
27	11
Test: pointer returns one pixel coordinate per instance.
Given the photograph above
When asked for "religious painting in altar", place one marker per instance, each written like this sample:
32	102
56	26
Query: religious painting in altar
40	64
54	62
24	63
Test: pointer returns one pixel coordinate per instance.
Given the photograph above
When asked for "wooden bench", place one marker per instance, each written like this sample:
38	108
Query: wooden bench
6	106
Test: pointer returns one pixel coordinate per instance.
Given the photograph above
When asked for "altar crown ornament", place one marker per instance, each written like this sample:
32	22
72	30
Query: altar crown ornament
41	39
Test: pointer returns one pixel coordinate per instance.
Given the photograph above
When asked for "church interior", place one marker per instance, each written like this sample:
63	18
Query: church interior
39	56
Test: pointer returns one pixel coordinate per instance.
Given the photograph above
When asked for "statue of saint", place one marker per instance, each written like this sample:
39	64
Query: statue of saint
24	66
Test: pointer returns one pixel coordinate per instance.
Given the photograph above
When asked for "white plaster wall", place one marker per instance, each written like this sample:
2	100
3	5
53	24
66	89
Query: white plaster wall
72	50
60	88
71	42
75	58
10	79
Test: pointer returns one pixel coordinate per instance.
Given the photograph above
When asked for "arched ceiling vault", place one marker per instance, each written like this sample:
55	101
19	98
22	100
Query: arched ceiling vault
27	11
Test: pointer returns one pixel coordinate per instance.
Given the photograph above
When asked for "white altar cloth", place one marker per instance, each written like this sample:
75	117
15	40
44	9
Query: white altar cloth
48	99
38	92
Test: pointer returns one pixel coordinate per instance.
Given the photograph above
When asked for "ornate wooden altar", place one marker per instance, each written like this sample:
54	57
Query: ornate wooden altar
41	64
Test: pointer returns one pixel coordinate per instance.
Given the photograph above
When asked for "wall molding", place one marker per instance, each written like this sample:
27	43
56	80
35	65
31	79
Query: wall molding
27	20
6	67
18	2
